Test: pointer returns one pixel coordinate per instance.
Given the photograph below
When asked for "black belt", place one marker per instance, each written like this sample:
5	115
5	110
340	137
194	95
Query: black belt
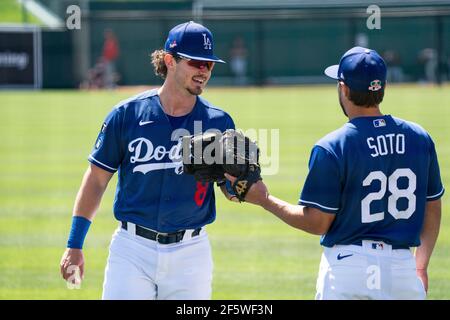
163	238
394	247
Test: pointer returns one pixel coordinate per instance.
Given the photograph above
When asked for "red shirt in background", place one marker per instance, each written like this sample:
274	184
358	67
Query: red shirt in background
110	49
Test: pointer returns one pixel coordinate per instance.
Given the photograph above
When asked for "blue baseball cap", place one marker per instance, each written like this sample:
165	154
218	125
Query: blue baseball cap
361	69
191	40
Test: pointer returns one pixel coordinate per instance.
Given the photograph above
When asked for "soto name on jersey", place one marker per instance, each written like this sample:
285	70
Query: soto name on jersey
387	144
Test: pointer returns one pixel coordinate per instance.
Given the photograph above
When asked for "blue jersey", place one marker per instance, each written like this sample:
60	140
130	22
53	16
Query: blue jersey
376	175
139	141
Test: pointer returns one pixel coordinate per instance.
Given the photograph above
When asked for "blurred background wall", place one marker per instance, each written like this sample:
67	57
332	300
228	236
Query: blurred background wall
265	42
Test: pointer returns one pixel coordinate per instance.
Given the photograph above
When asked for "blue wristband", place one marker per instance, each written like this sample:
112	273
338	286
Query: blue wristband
80	227
229	188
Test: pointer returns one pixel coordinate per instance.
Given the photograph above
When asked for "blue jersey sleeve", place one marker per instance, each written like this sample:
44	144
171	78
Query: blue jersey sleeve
322	189
230	123
435	188
108	150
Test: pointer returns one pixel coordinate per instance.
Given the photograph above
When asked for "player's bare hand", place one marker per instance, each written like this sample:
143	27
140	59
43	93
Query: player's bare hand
72	265
257	194
423	275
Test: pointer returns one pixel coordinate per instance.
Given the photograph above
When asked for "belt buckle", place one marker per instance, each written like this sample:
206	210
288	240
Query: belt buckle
171	237
159	238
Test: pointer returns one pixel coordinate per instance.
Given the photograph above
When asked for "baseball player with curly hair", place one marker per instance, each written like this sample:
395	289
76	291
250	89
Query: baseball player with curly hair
161	249
373	192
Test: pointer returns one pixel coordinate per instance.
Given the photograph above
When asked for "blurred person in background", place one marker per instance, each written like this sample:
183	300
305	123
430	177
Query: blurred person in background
394	70
428	58
238	61
110	54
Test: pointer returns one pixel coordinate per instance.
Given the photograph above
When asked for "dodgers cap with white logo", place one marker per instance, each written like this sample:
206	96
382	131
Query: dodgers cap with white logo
361	69
191	40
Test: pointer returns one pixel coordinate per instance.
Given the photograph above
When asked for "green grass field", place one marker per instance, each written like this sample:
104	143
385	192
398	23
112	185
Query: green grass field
11	12
46	137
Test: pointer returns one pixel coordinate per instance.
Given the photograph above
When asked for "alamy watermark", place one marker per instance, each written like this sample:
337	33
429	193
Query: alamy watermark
148	156
207	150
74	280
374	20
73	21
374	277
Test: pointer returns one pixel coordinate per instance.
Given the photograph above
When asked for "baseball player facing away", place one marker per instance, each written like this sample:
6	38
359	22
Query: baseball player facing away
161	249
373	192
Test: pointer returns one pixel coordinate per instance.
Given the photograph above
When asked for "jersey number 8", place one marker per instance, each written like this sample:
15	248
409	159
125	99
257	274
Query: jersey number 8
392	185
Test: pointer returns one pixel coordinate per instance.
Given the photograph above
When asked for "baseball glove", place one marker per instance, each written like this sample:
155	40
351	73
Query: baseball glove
199	155
211	155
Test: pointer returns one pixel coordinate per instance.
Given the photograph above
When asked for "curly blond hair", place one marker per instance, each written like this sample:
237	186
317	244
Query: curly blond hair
158	63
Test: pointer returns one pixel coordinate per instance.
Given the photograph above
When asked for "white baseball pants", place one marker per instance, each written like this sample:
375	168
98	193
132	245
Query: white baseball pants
139	268
371	271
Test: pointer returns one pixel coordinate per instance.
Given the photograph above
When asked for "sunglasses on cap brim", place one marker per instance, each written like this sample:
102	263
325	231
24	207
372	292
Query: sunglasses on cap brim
199	64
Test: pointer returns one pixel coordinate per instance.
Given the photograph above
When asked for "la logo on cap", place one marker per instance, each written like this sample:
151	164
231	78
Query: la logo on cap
206	42
375	85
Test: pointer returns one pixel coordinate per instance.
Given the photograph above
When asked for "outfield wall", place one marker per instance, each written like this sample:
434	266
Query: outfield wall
278	49
285	46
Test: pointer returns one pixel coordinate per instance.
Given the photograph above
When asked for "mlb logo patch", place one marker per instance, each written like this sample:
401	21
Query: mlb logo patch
377	246
379	123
